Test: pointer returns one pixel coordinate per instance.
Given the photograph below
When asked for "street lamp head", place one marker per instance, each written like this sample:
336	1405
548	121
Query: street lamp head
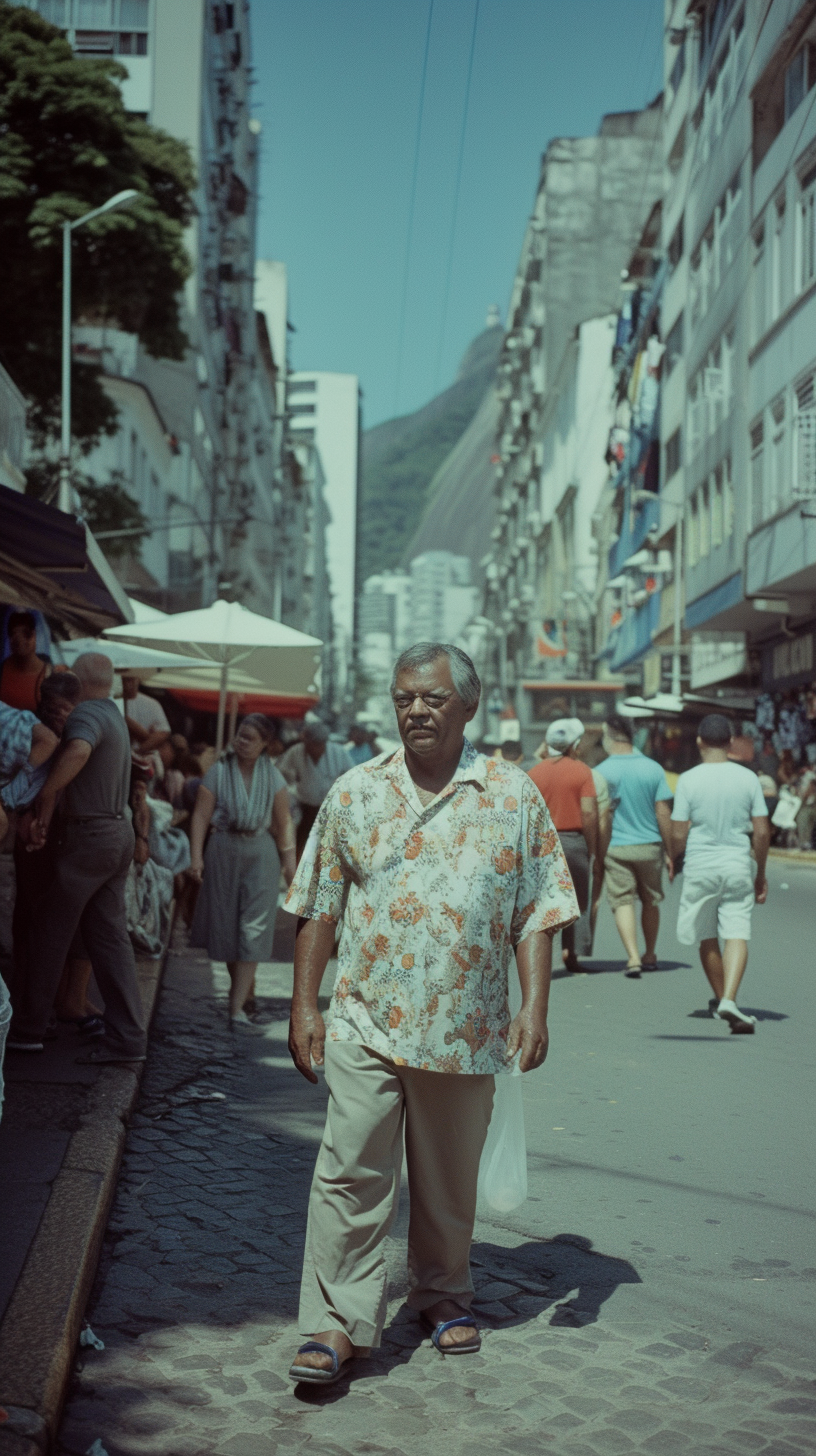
113	204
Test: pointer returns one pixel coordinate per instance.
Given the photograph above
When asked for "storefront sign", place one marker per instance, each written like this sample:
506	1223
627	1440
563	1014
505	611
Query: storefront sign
790	662
716	657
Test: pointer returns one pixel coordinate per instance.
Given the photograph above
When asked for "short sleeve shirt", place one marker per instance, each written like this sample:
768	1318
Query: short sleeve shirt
636	784
720	800
147	712
101	788
433	900
564	782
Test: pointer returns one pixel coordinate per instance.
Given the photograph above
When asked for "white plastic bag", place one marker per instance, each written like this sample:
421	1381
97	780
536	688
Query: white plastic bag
503	1167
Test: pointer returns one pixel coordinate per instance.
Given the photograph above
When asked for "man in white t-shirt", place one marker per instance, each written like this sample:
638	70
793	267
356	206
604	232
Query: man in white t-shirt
146	723
719	817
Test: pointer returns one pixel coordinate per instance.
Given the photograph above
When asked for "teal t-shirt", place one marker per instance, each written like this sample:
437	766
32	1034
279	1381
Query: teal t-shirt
636	784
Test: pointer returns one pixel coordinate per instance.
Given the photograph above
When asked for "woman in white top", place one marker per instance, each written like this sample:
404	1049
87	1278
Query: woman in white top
243	799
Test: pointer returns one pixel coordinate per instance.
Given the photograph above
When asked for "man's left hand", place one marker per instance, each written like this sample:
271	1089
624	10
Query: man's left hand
528	1031
669	862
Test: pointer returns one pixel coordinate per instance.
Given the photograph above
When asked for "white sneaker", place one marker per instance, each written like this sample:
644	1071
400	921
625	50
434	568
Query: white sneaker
241	1022
730	1012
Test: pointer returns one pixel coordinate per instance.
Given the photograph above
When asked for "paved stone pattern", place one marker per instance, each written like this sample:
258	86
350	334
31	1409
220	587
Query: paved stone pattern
196	1300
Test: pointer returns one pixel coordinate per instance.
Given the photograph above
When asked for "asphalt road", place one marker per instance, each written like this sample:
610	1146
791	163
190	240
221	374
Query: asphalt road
655	1292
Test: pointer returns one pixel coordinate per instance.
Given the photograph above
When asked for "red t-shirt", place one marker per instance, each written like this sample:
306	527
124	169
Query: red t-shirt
563	783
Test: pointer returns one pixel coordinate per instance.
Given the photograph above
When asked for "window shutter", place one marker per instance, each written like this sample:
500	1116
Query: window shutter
805	484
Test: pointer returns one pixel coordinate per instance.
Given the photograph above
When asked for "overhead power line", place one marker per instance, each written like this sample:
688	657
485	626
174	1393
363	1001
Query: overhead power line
411	209
456	192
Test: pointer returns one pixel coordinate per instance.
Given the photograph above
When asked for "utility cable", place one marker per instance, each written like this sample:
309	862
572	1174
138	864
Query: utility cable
456	192
411	210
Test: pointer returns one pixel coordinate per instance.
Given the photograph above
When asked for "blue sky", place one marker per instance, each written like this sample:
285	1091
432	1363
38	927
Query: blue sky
337	93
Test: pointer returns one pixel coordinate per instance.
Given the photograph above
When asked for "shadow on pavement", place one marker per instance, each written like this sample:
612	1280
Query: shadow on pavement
615	968
749	1011
542	1273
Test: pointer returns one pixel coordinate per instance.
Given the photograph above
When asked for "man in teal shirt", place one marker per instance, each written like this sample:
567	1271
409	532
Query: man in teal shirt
640	843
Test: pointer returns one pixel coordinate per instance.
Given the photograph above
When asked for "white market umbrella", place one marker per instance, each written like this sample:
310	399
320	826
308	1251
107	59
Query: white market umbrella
147	661
244	646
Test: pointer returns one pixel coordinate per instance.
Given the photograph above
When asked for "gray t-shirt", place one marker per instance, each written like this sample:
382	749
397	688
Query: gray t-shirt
102	785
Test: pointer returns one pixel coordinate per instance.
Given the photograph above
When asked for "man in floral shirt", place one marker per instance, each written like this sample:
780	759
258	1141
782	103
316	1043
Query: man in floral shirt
441	864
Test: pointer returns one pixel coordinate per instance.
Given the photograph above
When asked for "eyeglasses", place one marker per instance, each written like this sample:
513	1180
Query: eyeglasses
434	701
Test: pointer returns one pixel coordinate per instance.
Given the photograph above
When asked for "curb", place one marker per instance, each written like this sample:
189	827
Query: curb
794	856
41	1327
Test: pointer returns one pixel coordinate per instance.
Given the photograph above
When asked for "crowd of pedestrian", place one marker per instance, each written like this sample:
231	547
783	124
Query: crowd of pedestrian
112	817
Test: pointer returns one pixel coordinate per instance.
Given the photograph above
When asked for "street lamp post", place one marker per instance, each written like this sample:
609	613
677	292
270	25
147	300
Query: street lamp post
121	199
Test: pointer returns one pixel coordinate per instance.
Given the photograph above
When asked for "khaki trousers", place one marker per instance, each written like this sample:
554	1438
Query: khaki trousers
374	1105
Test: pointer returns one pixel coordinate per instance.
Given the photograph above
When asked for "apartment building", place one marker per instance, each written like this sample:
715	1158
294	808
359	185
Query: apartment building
200	446
554	386
324	409
780	559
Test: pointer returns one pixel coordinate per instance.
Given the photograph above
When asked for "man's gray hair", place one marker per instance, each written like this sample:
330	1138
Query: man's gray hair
94	669
315	733
464	675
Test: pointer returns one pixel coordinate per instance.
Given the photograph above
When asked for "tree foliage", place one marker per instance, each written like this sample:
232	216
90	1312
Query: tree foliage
67	144
106	506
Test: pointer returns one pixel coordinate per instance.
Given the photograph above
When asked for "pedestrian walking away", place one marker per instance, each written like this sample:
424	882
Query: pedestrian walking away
310	768
244	801
568	789
441	864
92	855
719	818
640	843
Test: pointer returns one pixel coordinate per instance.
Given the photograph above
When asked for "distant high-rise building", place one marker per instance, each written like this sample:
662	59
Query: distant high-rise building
324	408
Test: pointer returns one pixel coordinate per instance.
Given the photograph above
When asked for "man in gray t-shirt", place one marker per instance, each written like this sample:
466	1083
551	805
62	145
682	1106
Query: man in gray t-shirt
94	850
102	786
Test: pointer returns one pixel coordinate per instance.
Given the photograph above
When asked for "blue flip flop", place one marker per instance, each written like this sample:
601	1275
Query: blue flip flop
311	1376
463	1347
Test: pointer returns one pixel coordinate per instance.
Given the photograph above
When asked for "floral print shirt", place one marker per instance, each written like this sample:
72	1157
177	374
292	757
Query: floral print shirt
433	901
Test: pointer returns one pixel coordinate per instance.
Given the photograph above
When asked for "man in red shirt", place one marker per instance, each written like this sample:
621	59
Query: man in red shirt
568	789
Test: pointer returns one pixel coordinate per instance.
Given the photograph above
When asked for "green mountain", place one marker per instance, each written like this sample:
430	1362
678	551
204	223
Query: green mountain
401	457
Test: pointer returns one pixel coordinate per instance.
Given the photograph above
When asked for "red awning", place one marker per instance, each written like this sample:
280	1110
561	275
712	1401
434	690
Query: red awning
204	700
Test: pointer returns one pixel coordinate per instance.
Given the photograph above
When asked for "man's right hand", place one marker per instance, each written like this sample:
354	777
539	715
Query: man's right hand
760	889
307	1039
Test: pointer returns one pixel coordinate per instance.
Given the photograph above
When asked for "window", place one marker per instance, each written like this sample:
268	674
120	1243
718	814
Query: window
776	261
695	288
675	250
303	386
804	482
296	408
132	43
696	423
693	532
806	232
758	284
704	520
728	497
133	14
93	14
717	508
673	459
776	478
796	82
679	67
674	343
757	471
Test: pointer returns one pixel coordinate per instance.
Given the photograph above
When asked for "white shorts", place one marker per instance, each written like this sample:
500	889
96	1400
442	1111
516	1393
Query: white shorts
715	903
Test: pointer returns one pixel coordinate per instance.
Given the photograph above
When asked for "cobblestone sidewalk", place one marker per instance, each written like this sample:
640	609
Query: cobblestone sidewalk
196	1300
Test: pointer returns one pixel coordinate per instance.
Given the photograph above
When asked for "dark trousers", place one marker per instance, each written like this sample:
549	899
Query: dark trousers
308	814
577	938
90	866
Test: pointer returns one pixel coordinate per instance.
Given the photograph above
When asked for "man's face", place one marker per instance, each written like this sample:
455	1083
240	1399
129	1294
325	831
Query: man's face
431	716
59	714
315	748
22	639
130	686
